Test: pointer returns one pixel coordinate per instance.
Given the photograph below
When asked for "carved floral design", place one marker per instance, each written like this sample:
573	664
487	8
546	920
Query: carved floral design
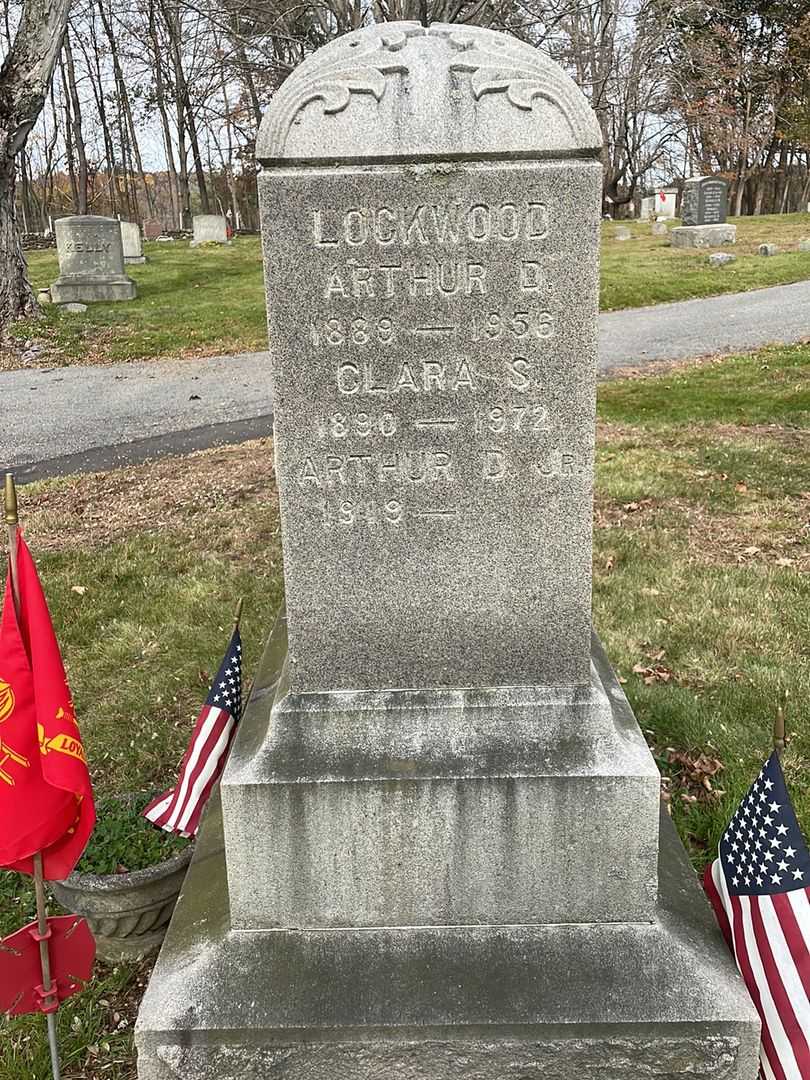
359	67
362	63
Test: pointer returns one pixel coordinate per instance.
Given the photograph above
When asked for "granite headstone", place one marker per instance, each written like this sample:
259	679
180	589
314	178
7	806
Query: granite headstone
703	214
132	242
209	229
91	261
704	201
437	848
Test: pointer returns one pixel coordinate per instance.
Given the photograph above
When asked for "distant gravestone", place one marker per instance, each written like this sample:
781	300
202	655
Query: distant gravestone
132	242
91	261
704	201
660	205
804	245
622	233
152	229
721	258
659	228
768	249
703	213
209	229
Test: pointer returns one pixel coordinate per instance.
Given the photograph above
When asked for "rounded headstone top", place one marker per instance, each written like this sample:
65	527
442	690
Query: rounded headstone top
403	92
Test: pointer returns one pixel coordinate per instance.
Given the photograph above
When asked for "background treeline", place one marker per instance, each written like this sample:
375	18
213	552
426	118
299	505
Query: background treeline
154	105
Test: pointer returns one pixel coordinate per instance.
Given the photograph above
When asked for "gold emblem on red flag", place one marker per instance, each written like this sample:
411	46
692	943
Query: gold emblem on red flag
6	753
62	743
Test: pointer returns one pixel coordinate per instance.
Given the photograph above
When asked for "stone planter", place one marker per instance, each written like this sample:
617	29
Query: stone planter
128	913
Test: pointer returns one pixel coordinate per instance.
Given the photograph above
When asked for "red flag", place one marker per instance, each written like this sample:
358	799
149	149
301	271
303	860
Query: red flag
46	799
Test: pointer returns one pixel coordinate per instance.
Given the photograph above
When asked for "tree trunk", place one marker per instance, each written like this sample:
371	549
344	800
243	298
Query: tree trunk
76	129
184	105
25	76
160	98
16	295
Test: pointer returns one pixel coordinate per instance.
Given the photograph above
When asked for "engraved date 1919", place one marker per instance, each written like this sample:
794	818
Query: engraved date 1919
362	512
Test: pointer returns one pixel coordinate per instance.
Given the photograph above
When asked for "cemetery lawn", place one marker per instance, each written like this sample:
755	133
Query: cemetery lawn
701	595
210	300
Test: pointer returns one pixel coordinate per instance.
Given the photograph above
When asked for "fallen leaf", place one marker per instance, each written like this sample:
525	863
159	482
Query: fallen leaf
80	589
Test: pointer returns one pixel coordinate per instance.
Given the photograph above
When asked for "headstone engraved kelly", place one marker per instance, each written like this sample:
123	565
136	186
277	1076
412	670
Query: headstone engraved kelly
440	818
209	229
132	241
703	211
91	261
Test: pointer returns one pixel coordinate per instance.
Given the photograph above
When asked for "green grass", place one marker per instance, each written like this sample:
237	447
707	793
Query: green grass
701	595
647	270
211	300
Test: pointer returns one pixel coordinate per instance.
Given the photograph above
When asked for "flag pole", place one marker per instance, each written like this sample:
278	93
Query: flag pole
779	726
43	932
238	615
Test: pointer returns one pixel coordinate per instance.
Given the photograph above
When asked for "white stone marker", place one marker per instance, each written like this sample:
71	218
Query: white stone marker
209	229
132	241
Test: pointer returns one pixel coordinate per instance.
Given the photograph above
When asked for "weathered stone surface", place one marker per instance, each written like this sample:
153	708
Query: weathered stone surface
767	249
455	806
152	229
433	343
209	229
622	233
702	236
445	784
721	258
91	261
403	91
659	228
704	201
804	245
132	242
127	913
609	1001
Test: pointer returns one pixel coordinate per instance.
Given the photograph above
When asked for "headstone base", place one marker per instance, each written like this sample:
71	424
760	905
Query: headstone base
622	1001
455	806
702	236
134	259
88	292
202	243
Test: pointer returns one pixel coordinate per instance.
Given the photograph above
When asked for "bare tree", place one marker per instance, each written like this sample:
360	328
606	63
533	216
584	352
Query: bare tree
25	76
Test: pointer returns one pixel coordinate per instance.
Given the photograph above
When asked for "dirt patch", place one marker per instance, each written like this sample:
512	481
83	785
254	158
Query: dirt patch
722	539
91	510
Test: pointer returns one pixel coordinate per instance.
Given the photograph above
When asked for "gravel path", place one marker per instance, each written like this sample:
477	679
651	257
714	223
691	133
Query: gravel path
84	418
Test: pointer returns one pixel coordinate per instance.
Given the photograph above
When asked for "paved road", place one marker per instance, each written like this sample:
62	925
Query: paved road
78	419
716	325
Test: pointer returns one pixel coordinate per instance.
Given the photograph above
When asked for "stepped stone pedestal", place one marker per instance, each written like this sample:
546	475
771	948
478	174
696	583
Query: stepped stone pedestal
619	998
437	851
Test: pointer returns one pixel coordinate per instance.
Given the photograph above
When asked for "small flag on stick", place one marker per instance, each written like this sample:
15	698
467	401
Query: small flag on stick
46	799
180	809
759	887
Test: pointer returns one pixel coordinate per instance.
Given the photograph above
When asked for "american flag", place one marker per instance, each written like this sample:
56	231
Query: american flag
759	889
180	809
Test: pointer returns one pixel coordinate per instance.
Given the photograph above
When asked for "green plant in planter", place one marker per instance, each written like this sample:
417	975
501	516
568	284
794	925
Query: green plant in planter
123	840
